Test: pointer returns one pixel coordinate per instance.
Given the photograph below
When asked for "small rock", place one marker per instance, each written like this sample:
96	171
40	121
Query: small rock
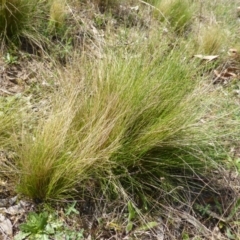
3	202
16	209
12	200
6	225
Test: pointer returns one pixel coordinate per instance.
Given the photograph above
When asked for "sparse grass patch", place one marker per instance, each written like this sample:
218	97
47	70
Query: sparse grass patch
57	13
11	115
177	13
211	39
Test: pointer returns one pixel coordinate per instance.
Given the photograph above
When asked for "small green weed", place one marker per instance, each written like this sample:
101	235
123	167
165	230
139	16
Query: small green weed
231	235
185	236
35	227
45	226
71	209
131	216
10	59
202	209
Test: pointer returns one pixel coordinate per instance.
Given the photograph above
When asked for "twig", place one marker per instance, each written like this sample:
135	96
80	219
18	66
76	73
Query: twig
6	91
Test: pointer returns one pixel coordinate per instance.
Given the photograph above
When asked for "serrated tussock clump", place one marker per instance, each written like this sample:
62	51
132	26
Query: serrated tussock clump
124	112
176	13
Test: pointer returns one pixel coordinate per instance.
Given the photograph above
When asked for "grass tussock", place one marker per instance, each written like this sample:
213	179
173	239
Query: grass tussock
176	13
16	16
57	14
124	113
120	110
11	118
29	25
211	40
